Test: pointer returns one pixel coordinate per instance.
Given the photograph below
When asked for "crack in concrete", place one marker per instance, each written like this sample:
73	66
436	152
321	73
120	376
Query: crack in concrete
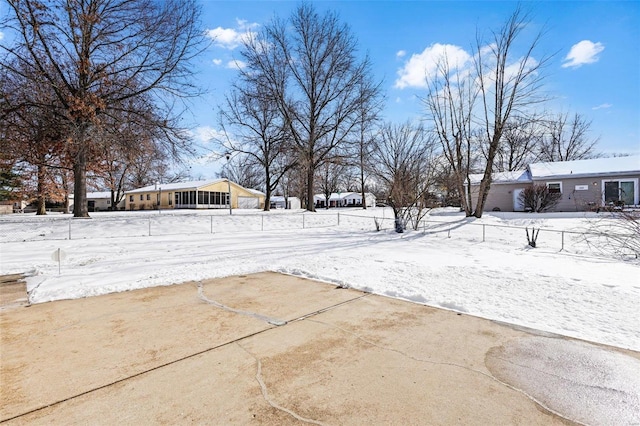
265	391
204	298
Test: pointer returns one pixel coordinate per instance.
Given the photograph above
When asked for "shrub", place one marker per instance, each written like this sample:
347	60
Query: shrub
537	198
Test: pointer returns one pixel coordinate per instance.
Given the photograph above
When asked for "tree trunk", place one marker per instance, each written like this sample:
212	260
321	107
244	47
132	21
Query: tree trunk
364	199
80	208
485	183
267	198
311	206
42	198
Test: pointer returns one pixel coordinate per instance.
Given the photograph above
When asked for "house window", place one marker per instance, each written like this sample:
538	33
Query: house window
170	199
108	202
554	187
141	197
131	198
622	190
148	197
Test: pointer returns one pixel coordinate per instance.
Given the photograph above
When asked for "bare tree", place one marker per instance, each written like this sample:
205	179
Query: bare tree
507	87
403	164
566	138
95	54
369	107
310	69
258	132
450	102
522	138
243	170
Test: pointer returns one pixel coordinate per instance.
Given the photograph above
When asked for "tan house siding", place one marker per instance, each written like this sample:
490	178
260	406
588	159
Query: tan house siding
149	200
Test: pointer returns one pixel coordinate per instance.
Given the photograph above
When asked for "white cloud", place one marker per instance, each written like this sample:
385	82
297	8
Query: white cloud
217	61
584	52
205	135
425	65
602	106
236	64
401	54
1	35
231	38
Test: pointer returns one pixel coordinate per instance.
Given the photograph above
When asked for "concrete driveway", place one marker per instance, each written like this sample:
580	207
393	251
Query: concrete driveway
259	349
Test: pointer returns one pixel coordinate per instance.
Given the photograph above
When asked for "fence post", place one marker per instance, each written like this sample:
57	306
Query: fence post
69	228
302	220
483	232
562	241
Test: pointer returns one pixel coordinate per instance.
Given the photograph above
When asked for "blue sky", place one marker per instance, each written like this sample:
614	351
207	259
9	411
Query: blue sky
595	70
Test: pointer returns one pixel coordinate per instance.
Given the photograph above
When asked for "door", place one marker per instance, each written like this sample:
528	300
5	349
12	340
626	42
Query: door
518	203
248	203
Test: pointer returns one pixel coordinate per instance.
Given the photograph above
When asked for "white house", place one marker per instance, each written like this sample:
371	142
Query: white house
344	199
98	202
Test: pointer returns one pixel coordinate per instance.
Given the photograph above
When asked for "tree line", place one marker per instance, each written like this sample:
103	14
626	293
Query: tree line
91	89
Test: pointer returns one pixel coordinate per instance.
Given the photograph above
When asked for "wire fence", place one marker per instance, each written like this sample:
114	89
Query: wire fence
115	226
57	228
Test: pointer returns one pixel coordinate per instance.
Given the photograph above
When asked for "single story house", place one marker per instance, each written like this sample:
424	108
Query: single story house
99	202
8	207
584	184
290	203
344	199
206	194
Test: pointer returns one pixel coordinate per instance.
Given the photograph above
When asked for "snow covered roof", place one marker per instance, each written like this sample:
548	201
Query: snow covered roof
176	186
102	194
503	177
340	195
255	192
595	166
96	195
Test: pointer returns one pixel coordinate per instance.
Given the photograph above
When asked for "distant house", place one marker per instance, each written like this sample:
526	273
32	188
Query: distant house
292	203
344	199
98	202
208	194
584	184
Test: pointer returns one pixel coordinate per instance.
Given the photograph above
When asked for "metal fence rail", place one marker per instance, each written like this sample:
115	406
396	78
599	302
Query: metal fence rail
42	229
64	228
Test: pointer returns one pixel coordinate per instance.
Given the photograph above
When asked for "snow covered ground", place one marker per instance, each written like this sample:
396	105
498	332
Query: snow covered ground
482	267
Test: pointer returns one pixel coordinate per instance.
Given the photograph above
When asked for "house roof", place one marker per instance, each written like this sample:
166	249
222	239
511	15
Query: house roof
255	192
516	176
96	195
176	186
102	194
591	167
340	195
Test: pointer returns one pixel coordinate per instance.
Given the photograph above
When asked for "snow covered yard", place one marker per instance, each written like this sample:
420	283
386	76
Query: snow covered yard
452	262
